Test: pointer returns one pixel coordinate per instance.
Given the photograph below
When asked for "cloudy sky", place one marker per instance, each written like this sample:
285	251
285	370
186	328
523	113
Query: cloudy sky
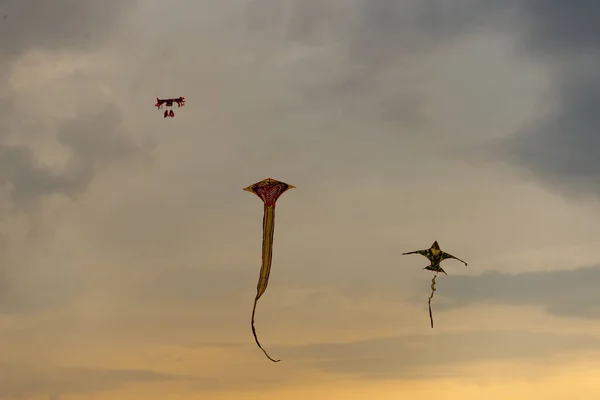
129	253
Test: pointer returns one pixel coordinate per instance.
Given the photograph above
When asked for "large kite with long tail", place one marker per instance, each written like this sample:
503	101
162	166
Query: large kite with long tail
435	256
269	191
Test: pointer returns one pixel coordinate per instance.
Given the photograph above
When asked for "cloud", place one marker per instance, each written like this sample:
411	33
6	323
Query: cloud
46	154
563	293
95	141
364	56
559	27
58	34
373	32
31	24
387	28
426	356
560	149
168	258
23	381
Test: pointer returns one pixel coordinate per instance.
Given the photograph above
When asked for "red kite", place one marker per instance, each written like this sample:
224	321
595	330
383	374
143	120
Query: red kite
169	103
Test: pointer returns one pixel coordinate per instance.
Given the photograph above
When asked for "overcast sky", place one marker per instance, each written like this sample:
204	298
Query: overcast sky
129	254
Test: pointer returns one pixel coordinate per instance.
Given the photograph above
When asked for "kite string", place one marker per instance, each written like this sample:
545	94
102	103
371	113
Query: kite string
431	297
254	332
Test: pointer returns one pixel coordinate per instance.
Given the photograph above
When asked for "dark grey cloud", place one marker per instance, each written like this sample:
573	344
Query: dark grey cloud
388	28
24	381
95	142
419	356
372	45
569	28
564	293
561	148
61	24
376	31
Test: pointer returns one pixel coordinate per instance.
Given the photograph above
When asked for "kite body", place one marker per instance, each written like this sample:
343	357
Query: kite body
169	103
435	256
268	190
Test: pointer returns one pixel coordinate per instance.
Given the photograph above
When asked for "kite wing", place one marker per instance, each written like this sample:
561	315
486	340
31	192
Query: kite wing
268	190
421	252
447	255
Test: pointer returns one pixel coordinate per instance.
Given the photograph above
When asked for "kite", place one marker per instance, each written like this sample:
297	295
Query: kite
169	103
435	257
269	191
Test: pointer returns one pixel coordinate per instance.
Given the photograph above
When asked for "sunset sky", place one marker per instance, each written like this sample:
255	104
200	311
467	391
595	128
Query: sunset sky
129	253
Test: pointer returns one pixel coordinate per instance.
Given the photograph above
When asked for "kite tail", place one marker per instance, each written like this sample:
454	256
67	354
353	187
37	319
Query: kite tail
431	297
254	332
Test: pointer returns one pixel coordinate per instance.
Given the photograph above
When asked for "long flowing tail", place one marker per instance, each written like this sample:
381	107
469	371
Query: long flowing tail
254	333
431	297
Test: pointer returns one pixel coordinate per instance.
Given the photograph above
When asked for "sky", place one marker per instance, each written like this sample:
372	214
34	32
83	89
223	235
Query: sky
129	254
